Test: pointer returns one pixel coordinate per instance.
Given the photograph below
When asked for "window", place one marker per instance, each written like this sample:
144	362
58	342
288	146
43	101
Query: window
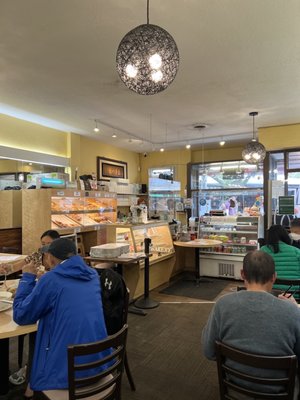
212	185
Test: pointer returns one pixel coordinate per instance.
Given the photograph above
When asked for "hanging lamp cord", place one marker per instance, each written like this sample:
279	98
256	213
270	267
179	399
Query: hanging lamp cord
147	12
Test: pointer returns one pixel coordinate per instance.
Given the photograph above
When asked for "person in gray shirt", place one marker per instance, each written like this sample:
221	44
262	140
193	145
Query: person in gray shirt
254	320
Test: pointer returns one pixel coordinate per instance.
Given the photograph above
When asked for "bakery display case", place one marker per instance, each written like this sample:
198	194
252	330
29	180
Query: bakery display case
70	209
159	232
67	211
162	253
238	234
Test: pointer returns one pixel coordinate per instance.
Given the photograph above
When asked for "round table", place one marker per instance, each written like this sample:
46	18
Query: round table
8	329
198	244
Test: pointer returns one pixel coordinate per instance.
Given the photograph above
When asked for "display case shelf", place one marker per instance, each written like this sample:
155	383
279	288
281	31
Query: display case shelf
67	211
239	235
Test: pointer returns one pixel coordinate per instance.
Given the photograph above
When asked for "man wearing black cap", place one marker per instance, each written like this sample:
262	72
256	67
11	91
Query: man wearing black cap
67	303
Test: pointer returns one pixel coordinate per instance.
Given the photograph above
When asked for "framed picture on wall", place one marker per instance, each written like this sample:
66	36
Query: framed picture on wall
108	168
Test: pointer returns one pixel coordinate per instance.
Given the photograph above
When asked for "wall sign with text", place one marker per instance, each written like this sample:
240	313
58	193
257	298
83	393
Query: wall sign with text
286	205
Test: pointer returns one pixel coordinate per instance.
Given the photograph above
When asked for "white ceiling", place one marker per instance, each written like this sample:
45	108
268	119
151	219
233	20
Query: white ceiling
57	67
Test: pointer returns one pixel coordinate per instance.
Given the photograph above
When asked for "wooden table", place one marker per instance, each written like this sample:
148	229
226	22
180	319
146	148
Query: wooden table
8	329
120	261
198	244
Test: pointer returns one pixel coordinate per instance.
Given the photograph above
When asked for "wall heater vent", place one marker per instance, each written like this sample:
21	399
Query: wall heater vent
226	269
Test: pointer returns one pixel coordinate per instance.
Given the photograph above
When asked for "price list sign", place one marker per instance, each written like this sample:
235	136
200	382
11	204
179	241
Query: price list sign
286	205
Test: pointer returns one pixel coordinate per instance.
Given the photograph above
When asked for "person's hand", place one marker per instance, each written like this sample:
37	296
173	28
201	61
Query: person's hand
31	268
41	271
288	297
6	269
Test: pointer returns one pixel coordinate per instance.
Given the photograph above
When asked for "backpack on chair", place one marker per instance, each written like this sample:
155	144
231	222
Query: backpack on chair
113	291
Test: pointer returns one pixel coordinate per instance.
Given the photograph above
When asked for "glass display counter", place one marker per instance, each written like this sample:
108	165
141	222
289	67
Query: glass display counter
70	209
159	233
238	234
162	253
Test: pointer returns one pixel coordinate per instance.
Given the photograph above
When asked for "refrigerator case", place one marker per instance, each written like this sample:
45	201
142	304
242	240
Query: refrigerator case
239	235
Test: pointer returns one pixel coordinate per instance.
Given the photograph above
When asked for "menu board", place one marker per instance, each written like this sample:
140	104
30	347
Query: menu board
286	205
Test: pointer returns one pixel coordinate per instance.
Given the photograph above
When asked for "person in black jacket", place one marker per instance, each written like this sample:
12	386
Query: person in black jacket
295	232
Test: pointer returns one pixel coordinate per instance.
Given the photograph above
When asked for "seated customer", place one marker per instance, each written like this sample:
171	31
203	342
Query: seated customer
254	320
286	257
66	301
295	232
36	257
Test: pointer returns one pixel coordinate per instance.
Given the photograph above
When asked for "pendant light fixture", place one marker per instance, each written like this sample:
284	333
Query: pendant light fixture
147	59
254	152
96	129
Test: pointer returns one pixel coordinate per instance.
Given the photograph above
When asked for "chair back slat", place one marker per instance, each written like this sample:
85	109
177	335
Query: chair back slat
236	368
97	380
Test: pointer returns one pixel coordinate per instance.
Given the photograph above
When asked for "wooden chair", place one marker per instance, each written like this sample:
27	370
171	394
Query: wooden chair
231	390
102	385
126	364
284	284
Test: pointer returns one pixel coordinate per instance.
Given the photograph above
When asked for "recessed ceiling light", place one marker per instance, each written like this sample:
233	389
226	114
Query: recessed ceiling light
188	146
222	142
114	135
161	149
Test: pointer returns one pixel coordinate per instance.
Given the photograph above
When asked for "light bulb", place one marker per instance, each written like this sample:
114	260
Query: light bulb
114	135
188	146
155	61
222	142
131	71
162	149
256	156
156	76
96	129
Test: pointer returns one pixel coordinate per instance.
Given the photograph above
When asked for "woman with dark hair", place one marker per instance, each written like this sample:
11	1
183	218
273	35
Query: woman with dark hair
36	257
286	256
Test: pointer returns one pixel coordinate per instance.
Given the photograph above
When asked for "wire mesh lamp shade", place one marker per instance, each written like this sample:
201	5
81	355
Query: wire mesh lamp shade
147	59
254	152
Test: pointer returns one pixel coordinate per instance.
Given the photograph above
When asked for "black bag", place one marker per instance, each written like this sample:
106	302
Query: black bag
113	290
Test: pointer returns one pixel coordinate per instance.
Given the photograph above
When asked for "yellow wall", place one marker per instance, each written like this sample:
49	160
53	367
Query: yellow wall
25	135
280	137
20	134
83	151
8	166
91	149
177	158
218	154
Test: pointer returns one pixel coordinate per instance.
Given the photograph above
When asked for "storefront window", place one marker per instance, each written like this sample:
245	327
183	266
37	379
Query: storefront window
294	160
284	181
233	187
164	193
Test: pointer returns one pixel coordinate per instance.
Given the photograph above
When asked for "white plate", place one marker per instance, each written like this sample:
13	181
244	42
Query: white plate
4	306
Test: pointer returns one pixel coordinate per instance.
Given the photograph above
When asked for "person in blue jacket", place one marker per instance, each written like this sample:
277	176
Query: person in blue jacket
66	302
